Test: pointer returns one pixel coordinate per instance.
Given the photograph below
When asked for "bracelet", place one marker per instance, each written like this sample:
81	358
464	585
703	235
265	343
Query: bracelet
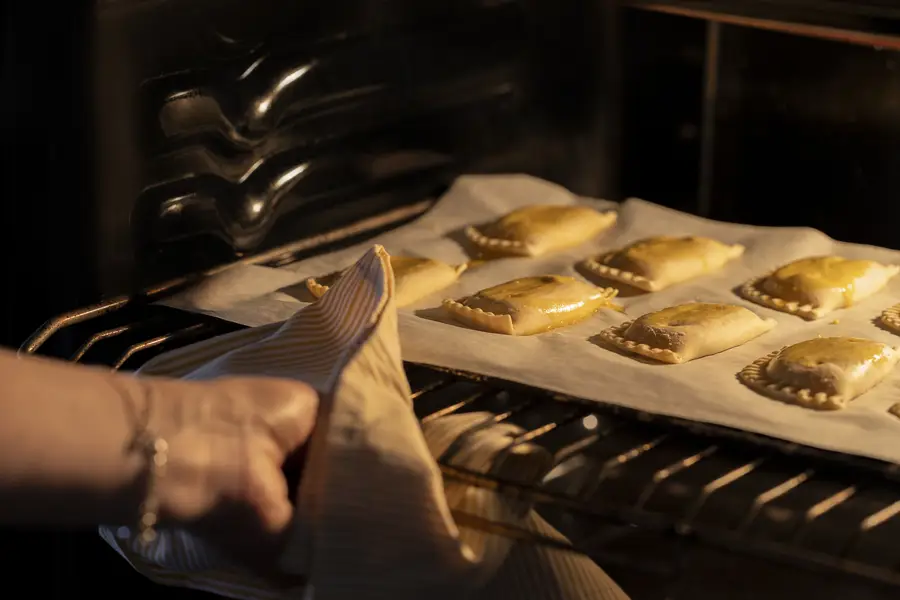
156	449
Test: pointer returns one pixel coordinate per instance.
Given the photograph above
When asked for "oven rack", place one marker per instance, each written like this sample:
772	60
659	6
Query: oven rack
643	495
618	472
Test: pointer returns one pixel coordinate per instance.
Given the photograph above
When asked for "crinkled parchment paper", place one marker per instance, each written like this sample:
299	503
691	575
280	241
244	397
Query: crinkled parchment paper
568	360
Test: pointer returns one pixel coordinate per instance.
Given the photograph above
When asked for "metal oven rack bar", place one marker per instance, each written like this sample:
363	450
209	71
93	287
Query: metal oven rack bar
641	494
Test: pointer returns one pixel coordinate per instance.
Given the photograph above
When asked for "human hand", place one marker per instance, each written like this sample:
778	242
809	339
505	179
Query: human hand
229	441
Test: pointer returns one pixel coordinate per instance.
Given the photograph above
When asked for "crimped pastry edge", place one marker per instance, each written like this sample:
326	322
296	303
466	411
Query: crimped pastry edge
498	323
614	336
315	288
598	267
518	247
511	247
752	292
318	290
480	319
890	318
754	377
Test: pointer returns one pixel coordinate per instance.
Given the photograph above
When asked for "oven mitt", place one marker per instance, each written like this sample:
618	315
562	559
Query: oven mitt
374	516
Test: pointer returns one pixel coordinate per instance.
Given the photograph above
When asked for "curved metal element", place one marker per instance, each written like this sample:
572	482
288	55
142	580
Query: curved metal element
43	334
98	337
197	114
533	493
771	495
195	111
430	387
601	473
532	435
663	519
459	443
607	428
448	410
465	519
716	485
673	469
243	214
244	101
820	508
281	255
157	341
876	519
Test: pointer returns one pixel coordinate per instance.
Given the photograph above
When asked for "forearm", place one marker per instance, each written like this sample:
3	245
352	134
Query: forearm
64	444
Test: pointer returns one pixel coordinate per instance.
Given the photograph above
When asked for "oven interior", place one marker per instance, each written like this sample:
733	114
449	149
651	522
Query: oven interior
173	137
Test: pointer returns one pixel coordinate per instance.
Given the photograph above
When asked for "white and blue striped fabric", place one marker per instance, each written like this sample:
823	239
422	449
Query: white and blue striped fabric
374	515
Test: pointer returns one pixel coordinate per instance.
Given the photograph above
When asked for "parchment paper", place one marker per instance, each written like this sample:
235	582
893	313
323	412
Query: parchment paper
568	360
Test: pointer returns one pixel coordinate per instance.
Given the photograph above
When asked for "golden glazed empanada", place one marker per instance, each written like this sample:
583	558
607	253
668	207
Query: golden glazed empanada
822	373
530	305
679	334
538	230
656	263
414	278
813	287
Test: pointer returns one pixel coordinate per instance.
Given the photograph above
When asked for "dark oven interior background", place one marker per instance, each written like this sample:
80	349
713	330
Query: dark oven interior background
149	139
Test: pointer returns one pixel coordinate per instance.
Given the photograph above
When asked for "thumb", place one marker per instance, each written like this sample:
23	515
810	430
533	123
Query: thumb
254	530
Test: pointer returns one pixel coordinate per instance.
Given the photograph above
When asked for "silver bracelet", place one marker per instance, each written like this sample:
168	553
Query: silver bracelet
156	450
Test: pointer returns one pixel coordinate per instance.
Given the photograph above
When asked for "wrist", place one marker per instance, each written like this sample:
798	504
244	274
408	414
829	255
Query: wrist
178	481
147	408
64	443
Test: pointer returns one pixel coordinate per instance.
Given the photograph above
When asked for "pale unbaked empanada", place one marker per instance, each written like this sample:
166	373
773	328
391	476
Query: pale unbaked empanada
813	287
821	373
530	305
679	334
538	230
656	263
414	278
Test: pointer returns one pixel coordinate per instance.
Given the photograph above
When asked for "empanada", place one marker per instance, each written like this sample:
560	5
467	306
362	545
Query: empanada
821	373
414	278
538	230
530	305
890	318
656	263
682	333
813	287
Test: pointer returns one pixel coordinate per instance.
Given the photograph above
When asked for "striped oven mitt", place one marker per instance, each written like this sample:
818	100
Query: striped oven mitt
373	515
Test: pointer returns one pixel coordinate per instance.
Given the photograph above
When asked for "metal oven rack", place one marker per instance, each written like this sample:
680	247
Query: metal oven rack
670	508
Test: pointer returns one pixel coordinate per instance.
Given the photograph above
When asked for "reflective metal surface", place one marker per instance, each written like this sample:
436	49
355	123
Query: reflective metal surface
253	121
149	140
672	509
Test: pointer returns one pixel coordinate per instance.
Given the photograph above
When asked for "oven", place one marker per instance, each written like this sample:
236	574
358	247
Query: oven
150	142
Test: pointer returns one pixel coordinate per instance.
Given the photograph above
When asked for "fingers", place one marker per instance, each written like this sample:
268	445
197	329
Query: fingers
264	425
287	408
268	494
293	416
252	524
